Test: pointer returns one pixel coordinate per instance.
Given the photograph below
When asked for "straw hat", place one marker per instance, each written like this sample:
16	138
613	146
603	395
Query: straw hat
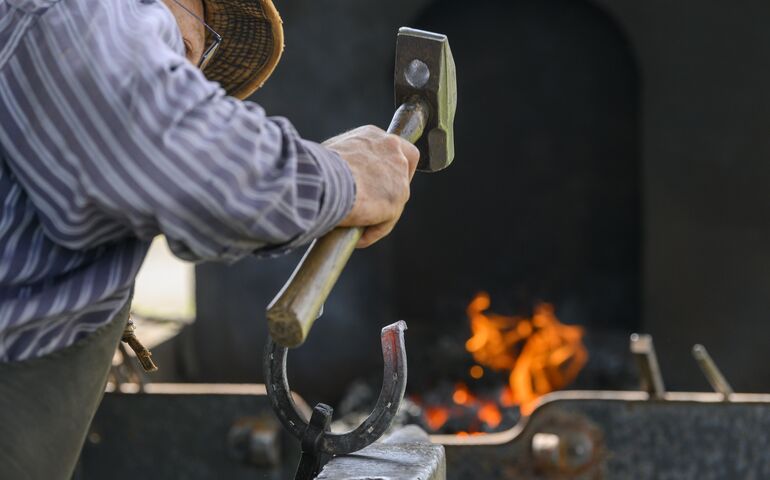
252	43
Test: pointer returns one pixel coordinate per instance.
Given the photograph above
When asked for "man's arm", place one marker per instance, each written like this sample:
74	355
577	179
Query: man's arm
112	132
247	181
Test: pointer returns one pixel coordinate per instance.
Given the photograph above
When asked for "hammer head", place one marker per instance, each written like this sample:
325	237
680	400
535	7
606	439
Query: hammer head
425	67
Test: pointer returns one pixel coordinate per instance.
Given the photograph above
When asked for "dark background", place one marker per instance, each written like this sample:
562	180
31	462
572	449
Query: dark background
612	158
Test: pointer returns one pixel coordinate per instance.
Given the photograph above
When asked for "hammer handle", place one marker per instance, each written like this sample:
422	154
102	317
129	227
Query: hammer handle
292	312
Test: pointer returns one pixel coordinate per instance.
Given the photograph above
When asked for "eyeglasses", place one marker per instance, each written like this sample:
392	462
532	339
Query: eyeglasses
216	39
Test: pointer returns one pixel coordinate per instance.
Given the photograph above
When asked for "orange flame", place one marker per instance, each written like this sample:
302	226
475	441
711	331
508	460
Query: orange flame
462	396
436	417
490	414
541	353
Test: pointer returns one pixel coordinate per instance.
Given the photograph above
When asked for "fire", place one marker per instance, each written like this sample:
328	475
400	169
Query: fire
540	353
462	396
476	372
490	414
485	411
436	417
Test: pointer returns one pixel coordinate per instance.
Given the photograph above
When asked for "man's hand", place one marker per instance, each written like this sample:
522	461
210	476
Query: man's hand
383	165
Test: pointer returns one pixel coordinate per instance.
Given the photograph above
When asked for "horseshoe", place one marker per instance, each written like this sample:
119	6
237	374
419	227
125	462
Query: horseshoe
316	439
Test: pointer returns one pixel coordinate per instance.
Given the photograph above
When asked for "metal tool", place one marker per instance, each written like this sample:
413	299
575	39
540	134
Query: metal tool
712	373
318	443
652	380
425	89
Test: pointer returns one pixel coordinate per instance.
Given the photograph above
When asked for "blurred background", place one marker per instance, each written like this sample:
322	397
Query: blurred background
612	160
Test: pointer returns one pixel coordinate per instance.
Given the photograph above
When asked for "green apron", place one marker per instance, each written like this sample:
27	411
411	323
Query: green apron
47	404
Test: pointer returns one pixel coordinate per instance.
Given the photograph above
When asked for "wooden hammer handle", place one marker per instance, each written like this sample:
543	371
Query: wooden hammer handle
292	312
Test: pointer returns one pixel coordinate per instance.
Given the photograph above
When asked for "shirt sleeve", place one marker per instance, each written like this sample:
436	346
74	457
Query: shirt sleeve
250	179
145	141
237	181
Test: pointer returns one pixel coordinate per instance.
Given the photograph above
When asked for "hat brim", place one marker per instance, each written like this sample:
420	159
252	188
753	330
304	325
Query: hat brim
252	44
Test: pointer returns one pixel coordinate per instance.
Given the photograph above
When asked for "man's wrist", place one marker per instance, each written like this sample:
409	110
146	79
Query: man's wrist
339	187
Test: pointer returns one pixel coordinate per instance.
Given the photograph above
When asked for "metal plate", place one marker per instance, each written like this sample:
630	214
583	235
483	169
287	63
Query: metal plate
625	435
182	431
405	455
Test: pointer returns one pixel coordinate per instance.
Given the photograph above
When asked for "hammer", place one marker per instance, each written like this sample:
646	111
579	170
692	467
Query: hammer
425	88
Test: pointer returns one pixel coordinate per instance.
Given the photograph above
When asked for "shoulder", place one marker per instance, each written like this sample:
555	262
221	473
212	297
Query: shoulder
135	25
111	40
105	53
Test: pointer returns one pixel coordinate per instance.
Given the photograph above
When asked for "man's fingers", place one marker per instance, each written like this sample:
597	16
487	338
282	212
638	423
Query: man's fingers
376	159
375	233
412	155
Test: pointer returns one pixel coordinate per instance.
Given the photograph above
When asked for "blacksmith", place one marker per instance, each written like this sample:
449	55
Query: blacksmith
121	120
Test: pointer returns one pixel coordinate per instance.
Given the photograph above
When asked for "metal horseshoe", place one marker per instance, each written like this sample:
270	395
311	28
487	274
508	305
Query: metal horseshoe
315	436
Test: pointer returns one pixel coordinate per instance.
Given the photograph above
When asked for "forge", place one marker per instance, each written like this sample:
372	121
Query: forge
515	362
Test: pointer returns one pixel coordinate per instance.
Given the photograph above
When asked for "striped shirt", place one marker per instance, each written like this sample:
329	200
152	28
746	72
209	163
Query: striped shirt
109	137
